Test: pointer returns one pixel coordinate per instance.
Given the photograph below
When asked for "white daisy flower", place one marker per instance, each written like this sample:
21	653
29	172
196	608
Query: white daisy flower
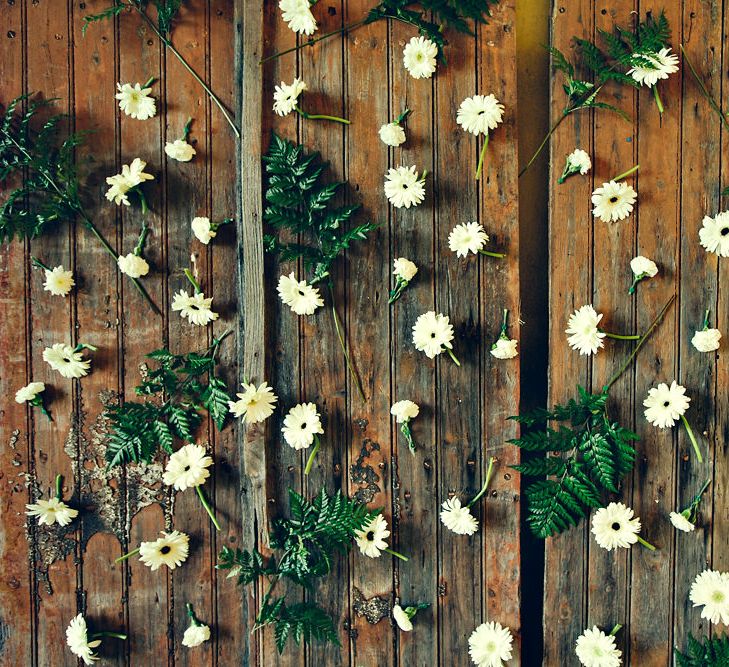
195	308
130	177
665	405
710	590
577	162
614	526
458	518
77	638
28	393
133	265
467	237
405	269
302	298
681	521
401	618
301	426
180	150
613	201
136	101
505	348
583	332
68	361
404	411
596	649
433	334
171	550
297	15
187	467
706	340
714	234
371	537
195	635
392	134
490	645
479	114
58	281
286	96
662	63
203	229
404	187
641	267
255	404
419	56
52	511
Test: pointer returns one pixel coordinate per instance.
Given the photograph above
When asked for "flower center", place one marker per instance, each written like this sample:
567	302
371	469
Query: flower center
370	536
303	426
301	292
187	468
165	550
666	403
725	231
613	199
717	596
615	526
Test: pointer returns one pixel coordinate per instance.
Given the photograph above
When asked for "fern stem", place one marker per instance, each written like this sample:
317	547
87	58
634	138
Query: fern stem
310	460
134	552
453	356
481	156
621	336
659	102
646	544
712	102
692	437
392	552
343	344
266	597
207	507
485	486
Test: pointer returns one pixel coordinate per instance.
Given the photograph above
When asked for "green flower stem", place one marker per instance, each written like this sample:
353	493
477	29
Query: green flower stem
186	129
320	116
207	506
127	555
396	554
405	430
712	102
149	82
505	323
487	253
36	262
481	156
400	285
485	486
453	356
657	97
706	319
191	615
622	336
616	628
142	12
647	545
310	460
139	248
85	346
403	116
692	437
38	402
59	487
625	174
547	136
634	284
343	344
195	284
106	633
142	200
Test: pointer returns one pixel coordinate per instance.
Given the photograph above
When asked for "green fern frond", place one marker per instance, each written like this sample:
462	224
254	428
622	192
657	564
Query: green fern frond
706	652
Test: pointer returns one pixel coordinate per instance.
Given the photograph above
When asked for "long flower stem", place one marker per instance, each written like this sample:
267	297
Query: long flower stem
488	253
321	116
541	146
207	507
195	284
712	102
692	437
310	460
647	545
343	344
396	554
640	344
59	487
482	156
622	336
106	633
485	486
142	12
620	177
311	42
134	552
453	356
657	97
408	434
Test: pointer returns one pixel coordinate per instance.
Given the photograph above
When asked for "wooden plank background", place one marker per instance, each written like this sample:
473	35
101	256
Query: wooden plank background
50	575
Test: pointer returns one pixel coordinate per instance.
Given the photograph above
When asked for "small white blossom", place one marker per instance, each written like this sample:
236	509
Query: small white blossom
180	150
577	162
458	518
402	619
52	511
467	237
301	426
505	348
171	550
133	265
130	177
195	308
77	638
643	267
195	635
681	521
58	281
255	404
297	15
706	340
583	332
596	649
136	101
392	134
405	269
419	57
286	96
29	392
371	537
432	334
66	360
404	411
187	467
203	229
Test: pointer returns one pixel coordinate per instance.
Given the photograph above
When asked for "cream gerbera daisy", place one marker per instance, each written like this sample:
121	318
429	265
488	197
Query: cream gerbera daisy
419	56
68	361
433	334
136	101
458	518
195	308
133	265
58	281
255	404
613	201
301	426
577	162
301	297
614	526
404	187
653	67
197	632
583	332
286	96
666	405
171	550
297	15
710	590
714	234
187	467
77	638
51	511
470	237
641	267
490	645
596	649
479	114
371	537
180	150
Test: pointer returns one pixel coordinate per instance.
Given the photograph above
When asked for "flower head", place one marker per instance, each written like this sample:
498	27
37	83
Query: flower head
706	340
480	113
457	518
77	638
613	201
195	635
301	425
255	404
505	348
583	332
432	333
133	265
52	511
66	360
171	550
714	234
490	645
180	150
187	467
130	177
614	526
392	134
596	649
203	229
579	161
665	405
194	308
297	15
286	96
29	392
402	619
419	56
642	267
405	269
467	237
710	590
404	187
136	101
58	281
404	411
653	66
371	537
301	297
682	521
